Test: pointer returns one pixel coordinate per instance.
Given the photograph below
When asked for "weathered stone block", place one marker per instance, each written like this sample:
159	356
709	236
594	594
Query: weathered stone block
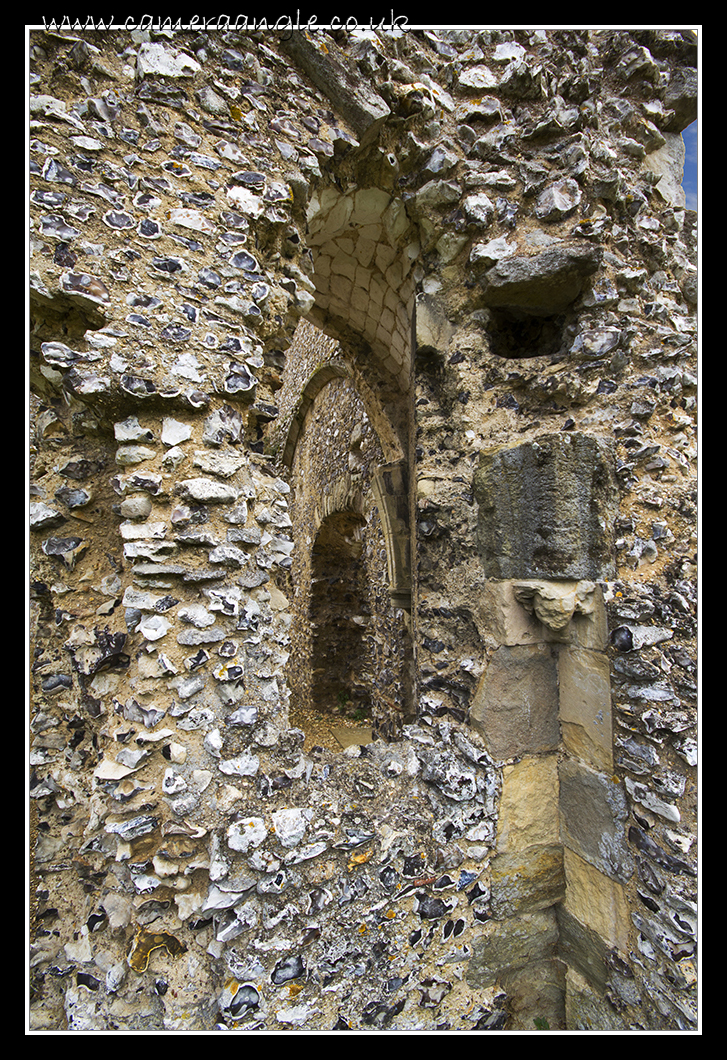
511	618
667	163
587	1010
542	285
529	805
355	100
506	619
593	815
583	948
597	902
585	706
516	705
510	944
433	330
536	996
546	508
527	880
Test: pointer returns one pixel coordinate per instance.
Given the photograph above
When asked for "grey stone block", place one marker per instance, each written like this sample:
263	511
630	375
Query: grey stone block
546	509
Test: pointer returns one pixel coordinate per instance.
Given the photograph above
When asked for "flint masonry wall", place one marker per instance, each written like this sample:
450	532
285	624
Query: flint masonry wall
487	451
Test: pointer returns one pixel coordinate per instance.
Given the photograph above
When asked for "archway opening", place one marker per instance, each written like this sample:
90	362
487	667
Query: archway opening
342	648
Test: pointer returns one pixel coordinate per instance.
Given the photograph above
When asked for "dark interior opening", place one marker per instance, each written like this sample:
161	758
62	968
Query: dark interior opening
342	657
513	333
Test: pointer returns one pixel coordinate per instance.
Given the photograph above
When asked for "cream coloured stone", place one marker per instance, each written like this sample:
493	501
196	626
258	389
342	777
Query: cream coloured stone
245	201
370	204
363	279
529	804
364	251
341	288
585	706
174	432
596	901
343	265
191	219
554	603
506	618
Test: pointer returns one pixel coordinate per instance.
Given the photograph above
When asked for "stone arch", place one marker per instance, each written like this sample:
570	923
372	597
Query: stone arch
350	564
317	379
364	250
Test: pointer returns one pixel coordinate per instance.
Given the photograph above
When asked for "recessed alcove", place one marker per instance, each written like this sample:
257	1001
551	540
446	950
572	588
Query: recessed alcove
342	657
350	662
515	334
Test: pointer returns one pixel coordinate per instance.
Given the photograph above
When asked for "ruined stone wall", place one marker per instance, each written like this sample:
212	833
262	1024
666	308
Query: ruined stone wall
487	226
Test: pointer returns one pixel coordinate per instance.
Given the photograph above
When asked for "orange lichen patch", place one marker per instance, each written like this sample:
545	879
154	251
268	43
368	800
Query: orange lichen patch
145	942
359	859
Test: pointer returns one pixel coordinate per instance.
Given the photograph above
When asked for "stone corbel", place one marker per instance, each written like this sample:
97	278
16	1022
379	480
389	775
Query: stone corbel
555	603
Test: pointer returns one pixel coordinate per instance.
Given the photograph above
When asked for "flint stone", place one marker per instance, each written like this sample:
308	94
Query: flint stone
290	825
130	430
206	491
133	828
174	432
250	832
191	637
241	766
137	507
681	98
42	517
477	79
544	285
157	61
450	778
222	464
558	200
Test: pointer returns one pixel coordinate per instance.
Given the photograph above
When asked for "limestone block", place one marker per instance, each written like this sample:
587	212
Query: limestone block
514	943
369	205
585	706
433	330
593	815
527	880
516	704
583	950
596	901
543	285
586	1010
667	163
343	265
529	805
546	508
341	287
506	619
535	993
